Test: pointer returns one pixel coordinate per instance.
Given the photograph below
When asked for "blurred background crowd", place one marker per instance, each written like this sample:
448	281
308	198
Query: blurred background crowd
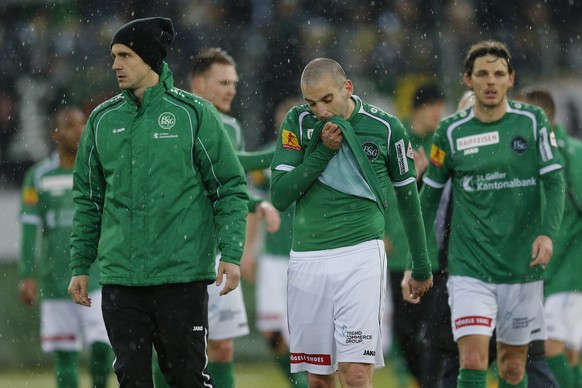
57	51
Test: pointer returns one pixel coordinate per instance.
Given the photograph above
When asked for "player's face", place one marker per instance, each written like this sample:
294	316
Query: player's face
132	72
490	81
218	85
431	114
70	124
326	98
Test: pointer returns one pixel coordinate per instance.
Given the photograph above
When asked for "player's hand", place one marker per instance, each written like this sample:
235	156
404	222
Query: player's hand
416	288
78	290
27	290
541	252
331	136
270	214
231	272
405	288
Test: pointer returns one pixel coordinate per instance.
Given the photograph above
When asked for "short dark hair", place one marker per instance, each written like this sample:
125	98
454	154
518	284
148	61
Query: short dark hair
207	57
487	47
427	93
540	97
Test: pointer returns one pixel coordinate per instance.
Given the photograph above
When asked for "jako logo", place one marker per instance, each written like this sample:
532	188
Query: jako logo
369	352
167	120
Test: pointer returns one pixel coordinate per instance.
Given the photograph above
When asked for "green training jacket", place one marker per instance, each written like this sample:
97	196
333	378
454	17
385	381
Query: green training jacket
156	188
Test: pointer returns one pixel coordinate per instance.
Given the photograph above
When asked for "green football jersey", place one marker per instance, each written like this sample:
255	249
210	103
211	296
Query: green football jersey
495	169
562	272
234	130
46	214
340	210
398	251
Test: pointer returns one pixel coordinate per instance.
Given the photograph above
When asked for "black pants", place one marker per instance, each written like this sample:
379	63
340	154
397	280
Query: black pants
173	318
411	323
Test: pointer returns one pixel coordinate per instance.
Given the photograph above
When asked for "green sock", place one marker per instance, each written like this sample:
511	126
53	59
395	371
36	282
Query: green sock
505	384
222	373
561	370
472	378
297	379
100	362
159	379
67	369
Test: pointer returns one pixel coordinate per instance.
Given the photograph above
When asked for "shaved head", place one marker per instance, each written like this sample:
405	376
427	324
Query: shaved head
320	68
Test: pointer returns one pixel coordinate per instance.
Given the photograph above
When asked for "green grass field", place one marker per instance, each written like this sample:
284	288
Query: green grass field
248	375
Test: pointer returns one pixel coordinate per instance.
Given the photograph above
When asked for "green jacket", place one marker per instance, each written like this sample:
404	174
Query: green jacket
156	188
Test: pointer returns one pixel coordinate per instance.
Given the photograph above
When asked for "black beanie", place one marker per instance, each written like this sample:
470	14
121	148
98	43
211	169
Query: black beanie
149	38
427	93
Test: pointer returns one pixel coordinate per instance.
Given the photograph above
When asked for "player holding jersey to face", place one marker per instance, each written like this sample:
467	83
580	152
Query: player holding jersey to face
47	216
498	153
333	158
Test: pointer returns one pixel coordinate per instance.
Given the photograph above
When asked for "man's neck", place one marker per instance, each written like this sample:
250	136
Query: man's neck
151	79
489	114
67	159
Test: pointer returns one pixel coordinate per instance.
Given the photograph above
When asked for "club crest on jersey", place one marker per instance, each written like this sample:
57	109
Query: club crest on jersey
519	145
437	156
166	121
310	133
289	140
371	150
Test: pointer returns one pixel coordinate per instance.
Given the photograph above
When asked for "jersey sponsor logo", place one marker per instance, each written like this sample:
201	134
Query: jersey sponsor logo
472	320
162	135
30	196
521	322
495	181
289	140
480	140
355	336
471	151
167	120
371	150
369	353
437	156
401	157
314	359
519	145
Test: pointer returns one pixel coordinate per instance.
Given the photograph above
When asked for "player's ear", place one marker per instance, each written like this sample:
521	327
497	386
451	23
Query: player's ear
467	80
197	84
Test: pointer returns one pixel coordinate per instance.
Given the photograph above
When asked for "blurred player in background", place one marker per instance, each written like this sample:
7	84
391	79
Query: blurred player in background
46	216
410	316
271	271
563	286
213	76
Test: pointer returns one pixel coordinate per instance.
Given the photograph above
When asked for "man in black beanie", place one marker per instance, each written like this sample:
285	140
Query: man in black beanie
156	185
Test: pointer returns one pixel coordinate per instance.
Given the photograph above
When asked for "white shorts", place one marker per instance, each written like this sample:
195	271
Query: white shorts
271	294
227	317
515	310
66	326
564	318
388	319
335	307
